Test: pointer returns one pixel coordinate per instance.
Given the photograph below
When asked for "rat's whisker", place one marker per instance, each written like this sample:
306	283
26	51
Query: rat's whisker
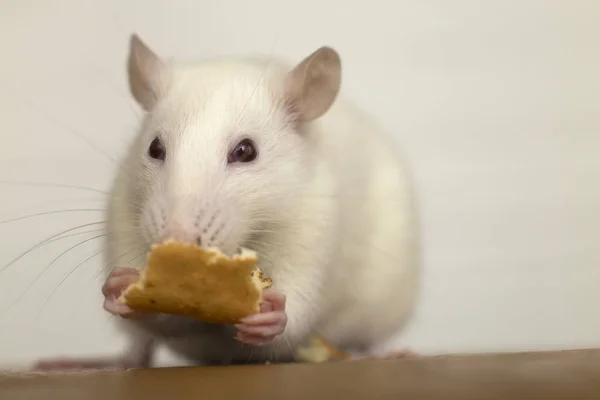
110	83
287	341
351	195
127	97
107	265
104	267
53	185
275	355
135	258
119	164
118	92
64	279
73	235
83	262
39	276
44	242
260	246
251	353
58	122
72	210
105	195
257	231
260	78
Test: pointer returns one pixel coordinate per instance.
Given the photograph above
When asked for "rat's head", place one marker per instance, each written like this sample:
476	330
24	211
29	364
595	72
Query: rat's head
223	154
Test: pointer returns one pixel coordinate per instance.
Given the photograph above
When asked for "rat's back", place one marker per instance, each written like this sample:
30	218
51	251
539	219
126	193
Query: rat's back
375	271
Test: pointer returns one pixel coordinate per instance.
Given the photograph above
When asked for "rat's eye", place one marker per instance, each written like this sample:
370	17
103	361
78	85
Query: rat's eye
157	150
244	152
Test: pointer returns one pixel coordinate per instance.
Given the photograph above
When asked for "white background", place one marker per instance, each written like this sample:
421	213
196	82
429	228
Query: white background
495	105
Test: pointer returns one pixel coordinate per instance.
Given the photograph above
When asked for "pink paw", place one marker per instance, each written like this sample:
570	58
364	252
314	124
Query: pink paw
117	282
261	329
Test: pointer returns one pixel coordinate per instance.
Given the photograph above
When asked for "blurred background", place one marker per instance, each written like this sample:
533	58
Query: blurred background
495	105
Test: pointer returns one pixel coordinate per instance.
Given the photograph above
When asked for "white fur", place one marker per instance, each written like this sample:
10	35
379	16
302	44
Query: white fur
328	208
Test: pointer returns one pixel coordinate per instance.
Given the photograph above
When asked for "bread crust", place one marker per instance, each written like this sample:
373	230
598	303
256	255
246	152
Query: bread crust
204	284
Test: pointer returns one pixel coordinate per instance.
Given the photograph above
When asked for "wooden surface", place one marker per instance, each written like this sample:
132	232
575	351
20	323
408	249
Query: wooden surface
569	375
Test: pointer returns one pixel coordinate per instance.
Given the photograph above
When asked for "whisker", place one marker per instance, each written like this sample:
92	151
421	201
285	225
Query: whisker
71	130
289	346
57	258
44	242
274	355
72	235
112	82
18	299
135	258
251	354
79	201
50	213
115	89
64	279
255	231
58	122
265	244
54	185
124	167
103	269
260	78
97	230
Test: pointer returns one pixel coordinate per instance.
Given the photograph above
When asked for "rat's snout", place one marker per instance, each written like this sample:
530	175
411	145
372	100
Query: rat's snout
202	224
207	227
181	233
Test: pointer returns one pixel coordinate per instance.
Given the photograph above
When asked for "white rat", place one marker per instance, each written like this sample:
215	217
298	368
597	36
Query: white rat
251	152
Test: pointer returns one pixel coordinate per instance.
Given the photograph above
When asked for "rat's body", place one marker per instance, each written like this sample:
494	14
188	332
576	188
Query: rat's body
326	203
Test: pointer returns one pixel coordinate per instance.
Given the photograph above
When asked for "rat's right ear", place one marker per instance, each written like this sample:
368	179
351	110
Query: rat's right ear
147	73
313	85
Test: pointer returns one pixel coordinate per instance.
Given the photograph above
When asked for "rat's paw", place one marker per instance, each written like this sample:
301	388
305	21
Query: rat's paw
115	307
117	282
261	329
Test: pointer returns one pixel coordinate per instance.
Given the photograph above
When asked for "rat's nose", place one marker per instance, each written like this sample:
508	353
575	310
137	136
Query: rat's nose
206	227
184	234
187	237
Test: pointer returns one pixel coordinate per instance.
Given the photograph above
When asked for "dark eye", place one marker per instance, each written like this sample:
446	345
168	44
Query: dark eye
244	152
157	150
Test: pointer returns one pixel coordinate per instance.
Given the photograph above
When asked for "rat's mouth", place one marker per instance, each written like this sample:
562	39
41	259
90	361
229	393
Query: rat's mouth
237	250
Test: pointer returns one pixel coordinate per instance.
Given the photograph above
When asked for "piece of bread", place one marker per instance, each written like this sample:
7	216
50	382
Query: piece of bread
319	351
201	283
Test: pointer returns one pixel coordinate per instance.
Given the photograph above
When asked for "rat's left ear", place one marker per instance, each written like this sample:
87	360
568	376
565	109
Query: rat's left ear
313	85
148	74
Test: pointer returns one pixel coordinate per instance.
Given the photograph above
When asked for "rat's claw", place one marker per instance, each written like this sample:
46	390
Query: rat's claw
252	339
261	329
115	307
117	282
272	318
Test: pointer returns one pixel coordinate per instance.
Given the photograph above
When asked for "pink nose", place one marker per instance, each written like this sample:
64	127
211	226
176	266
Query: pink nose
186	237
183	234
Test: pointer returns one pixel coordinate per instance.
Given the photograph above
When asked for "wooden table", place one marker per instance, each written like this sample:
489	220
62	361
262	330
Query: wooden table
569	375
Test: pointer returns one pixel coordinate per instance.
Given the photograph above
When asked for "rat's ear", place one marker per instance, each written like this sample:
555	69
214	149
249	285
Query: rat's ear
313	85
147	73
